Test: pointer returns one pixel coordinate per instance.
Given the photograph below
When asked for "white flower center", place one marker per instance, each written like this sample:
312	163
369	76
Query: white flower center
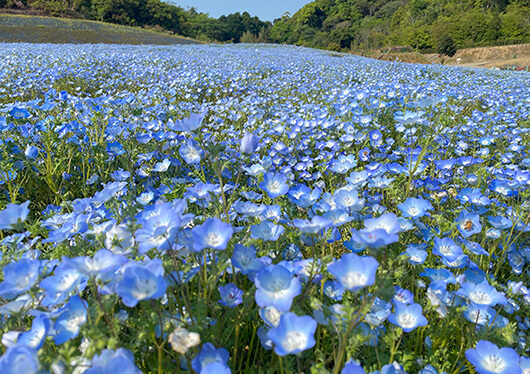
406	320
354	279
494	364
144	289
294	340
214	239
480	297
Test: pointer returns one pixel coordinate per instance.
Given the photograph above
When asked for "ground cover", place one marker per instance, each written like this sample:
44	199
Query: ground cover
260	209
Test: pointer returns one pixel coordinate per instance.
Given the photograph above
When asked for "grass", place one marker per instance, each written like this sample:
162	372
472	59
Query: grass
37	29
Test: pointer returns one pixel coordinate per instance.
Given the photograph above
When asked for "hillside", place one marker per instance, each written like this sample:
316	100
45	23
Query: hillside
422	24
36	29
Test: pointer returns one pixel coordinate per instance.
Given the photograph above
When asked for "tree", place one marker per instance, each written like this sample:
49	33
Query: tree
446	46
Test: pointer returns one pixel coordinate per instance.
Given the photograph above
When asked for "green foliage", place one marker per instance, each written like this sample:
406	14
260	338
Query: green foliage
446	46
421	24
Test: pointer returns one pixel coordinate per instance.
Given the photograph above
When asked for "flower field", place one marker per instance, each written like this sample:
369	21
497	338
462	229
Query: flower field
260	209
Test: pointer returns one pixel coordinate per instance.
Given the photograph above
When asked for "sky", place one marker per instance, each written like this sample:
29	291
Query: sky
266	10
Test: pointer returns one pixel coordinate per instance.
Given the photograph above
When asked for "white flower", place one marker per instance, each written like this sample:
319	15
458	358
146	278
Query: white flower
181	340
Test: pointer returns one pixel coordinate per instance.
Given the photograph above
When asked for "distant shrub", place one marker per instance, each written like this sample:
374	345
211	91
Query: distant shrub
446	46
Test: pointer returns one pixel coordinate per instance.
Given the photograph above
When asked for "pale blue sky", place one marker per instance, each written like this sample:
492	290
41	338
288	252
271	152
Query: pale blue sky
266	10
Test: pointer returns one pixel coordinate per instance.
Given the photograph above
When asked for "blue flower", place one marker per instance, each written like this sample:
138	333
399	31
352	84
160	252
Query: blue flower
313	226
59	286
213	233
141	282
204	362
12	215
19	277
159	229
249	143
276	287
35	337
19	113
487	358
190	152
244	258
374	238
482	294
468	223
72	317
230	295
187	124
349	199
414	207
274	184
102	265
19	359
408	317
447	249
416	254
293	335
110	361
352	367
266	230
354	272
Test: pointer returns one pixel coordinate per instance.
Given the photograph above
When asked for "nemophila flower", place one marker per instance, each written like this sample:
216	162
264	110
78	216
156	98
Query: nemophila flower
376	138
266	230
19	277
70	319
190	152
12	215
158	229
213	233
231	296
379	312
339	217
293	335
313	226
249	143
408	317
303	196
468	223
181	340
414	207
358	178
352	367
343	164
416	254
110	361
119	240
276	287
354	272
59	286
349	200
387	222
162	166
481	315
487	358
19	113
482	294
211	360
145	197
274	184
120	175
474	247
192	123
374	238
333	290
109	191
102	265
447	248
31	151
141	281
19	359
403	296
35	337
244	259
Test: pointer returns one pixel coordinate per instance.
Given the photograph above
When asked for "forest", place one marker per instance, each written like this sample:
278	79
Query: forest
340	25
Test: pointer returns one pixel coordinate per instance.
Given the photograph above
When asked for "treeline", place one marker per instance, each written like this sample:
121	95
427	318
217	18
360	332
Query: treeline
425	25
341	25
153	14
